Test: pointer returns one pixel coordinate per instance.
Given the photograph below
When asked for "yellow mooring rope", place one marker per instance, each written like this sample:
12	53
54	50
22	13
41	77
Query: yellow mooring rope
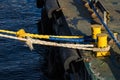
23	34
7	31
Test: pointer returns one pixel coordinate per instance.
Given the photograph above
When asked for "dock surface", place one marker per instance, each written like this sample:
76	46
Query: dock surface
79	21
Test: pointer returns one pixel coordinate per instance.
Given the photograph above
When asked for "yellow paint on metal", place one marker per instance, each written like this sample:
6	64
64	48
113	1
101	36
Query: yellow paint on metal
22	33
96	29
102	43
102	40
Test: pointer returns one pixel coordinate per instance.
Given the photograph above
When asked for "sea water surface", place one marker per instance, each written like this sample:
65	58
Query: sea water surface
17	61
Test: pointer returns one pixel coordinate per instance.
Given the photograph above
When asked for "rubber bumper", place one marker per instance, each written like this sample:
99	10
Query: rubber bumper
51	6
68	56
40	3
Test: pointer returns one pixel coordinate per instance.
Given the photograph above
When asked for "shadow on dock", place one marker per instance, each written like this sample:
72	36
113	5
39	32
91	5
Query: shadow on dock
113	62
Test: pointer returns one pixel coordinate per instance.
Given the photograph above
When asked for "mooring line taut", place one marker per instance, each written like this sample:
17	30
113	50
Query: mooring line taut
89	47
22	33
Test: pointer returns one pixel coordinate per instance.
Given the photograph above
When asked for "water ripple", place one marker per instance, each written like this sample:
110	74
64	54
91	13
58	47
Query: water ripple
17	62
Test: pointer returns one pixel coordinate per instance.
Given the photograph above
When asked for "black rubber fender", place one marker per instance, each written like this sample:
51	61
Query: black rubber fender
51	6
40	3
67	56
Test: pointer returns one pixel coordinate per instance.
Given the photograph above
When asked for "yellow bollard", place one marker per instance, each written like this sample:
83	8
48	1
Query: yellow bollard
102	43
96	29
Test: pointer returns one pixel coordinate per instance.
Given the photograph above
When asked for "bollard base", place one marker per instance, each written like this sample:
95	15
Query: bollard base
102	54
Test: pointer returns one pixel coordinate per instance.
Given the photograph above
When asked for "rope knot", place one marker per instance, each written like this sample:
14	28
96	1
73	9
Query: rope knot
21	33
29	43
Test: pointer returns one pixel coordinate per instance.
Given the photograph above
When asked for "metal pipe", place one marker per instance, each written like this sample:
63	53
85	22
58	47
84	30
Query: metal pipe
100	6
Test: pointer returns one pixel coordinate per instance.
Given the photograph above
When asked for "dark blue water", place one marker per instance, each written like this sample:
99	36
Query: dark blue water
17	62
